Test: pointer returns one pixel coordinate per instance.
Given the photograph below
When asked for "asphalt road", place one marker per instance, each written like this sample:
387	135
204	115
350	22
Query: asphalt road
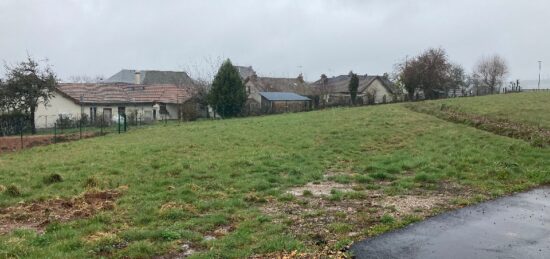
512	227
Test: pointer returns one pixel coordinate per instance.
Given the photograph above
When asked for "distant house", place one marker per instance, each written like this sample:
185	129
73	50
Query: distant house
372	90
281	102
150	77
255	85
245	72
106	101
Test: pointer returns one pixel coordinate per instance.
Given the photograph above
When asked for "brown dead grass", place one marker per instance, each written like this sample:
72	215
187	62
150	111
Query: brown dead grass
38	214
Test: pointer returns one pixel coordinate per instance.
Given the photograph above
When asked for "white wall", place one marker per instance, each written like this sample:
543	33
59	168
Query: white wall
47	115
379	91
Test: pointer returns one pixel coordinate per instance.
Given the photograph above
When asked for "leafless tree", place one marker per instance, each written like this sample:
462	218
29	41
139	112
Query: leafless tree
490	73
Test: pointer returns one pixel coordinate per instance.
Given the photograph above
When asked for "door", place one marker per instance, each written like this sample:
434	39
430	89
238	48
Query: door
107	115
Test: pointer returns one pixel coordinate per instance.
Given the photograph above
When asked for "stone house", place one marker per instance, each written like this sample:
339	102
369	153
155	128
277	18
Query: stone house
255	85
334	91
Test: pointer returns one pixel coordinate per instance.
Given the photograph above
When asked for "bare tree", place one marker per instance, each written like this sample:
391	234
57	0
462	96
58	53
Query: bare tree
490	73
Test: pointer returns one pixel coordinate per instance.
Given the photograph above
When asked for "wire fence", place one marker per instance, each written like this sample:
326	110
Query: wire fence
17	131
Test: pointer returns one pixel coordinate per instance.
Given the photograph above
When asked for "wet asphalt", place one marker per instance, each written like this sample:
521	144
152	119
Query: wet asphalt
512	227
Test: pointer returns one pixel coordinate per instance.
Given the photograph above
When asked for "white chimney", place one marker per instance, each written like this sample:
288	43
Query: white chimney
137	78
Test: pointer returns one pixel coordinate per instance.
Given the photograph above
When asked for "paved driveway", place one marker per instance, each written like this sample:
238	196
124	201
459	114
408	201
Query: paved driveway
512	227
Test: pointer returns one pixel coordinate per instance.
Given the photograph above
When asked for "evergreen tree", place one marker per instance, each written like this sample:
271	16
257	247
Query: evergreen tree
228	94
353	86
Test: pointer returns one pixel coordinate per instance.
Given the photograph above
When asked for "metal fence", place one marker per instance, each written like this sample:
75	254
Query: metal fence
16	132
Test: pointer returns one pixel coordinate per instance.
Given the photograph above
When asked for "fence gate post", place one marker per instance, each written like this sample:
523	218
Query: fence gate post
80	126
21	131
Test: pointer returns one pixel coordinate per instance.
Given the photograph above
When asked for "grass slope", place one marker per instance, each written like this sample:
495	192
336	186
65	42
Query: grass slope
530	108
185	182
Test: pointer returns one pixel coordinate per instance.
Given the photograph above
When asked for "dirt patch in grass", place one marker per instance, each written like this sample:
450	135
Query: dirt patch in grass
319	189
323	221
15	143
37	215
537	136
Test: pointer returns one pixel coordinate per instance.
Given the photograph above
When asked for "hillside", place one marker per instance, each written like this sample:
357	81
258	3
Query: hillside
310	182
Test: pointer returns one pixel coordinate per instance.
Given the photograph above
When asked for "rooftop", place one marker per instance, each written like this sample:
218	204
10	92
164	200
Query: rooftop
125	93
283	96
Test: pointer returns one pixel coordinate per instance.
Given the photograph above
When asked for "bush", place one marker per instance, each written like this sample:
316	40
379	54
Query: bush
91	182
13	191
53	178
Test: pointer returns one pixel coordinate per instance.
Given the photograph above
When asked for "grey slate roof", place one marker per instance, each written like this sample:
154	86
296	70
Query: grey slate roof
283	96
340	84
245	72
149	77
274	84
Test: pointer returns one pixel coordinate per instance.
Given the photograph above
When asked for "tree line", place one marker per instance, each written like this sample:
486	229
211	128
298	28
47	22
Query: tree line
431	75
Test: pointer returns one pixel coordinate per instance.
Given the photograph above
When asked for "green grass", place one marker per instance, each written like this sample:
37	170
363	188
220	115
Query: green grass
530	108
221	173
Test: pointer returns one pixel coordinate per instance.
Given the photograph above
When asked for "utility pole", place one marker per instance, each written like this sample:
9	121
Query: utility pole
540	68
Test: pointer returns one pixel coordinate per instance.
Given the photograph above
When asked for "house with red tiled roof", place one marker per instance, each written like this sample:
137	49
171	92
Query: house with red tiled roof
106	101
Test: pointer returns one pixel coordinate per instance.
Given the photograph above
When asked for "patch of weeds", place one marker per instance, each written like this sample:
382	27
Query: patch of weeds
363	179
307	193
53	178
254	197
287	197
339	227
91	182
382	176
387	219
336	195
263	219
13	191
424	178
355	195
169	235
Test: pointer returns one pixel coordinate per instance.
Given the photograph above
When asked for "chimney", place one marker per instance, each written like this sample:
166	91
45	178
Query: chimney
137	78
300	78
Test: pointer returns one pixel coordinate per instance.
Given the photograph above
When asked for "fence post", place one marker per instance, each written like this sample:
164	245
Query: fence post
125	124
21	131
118	124
80	125
101	122
55	133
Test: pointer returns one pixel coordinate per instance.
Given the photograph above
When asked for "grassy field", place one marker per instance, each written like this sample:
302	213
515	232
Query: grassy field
530	108
309	182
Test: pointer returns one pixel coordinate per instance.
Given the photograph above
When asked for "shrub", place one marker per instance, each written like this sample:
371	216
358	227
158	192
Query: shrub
307	193
387	219
53	178
13	191
91	182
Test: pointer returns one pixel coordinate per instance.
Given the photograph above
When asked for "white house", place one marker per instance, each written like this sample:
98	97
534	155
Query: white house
144	102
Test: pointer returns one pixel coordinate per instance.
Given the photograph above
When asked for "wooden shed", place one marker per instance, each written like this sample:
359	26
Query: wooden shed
281	102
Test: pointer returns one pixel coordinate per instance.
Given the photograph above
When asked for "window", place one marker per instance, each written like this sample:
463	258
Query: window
163	110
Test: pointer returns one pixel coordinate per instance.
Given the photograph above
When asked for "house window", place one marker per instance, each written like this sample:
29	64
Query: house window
163	110
93	114
121	110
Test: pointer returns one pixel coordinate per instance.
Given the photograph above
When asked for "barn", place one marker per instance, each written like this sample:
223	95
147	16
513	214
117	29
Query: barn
281	102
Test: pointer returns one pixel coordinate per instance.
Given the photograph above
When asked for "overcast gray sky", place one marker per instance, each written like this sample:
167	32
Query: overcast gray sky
276	37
